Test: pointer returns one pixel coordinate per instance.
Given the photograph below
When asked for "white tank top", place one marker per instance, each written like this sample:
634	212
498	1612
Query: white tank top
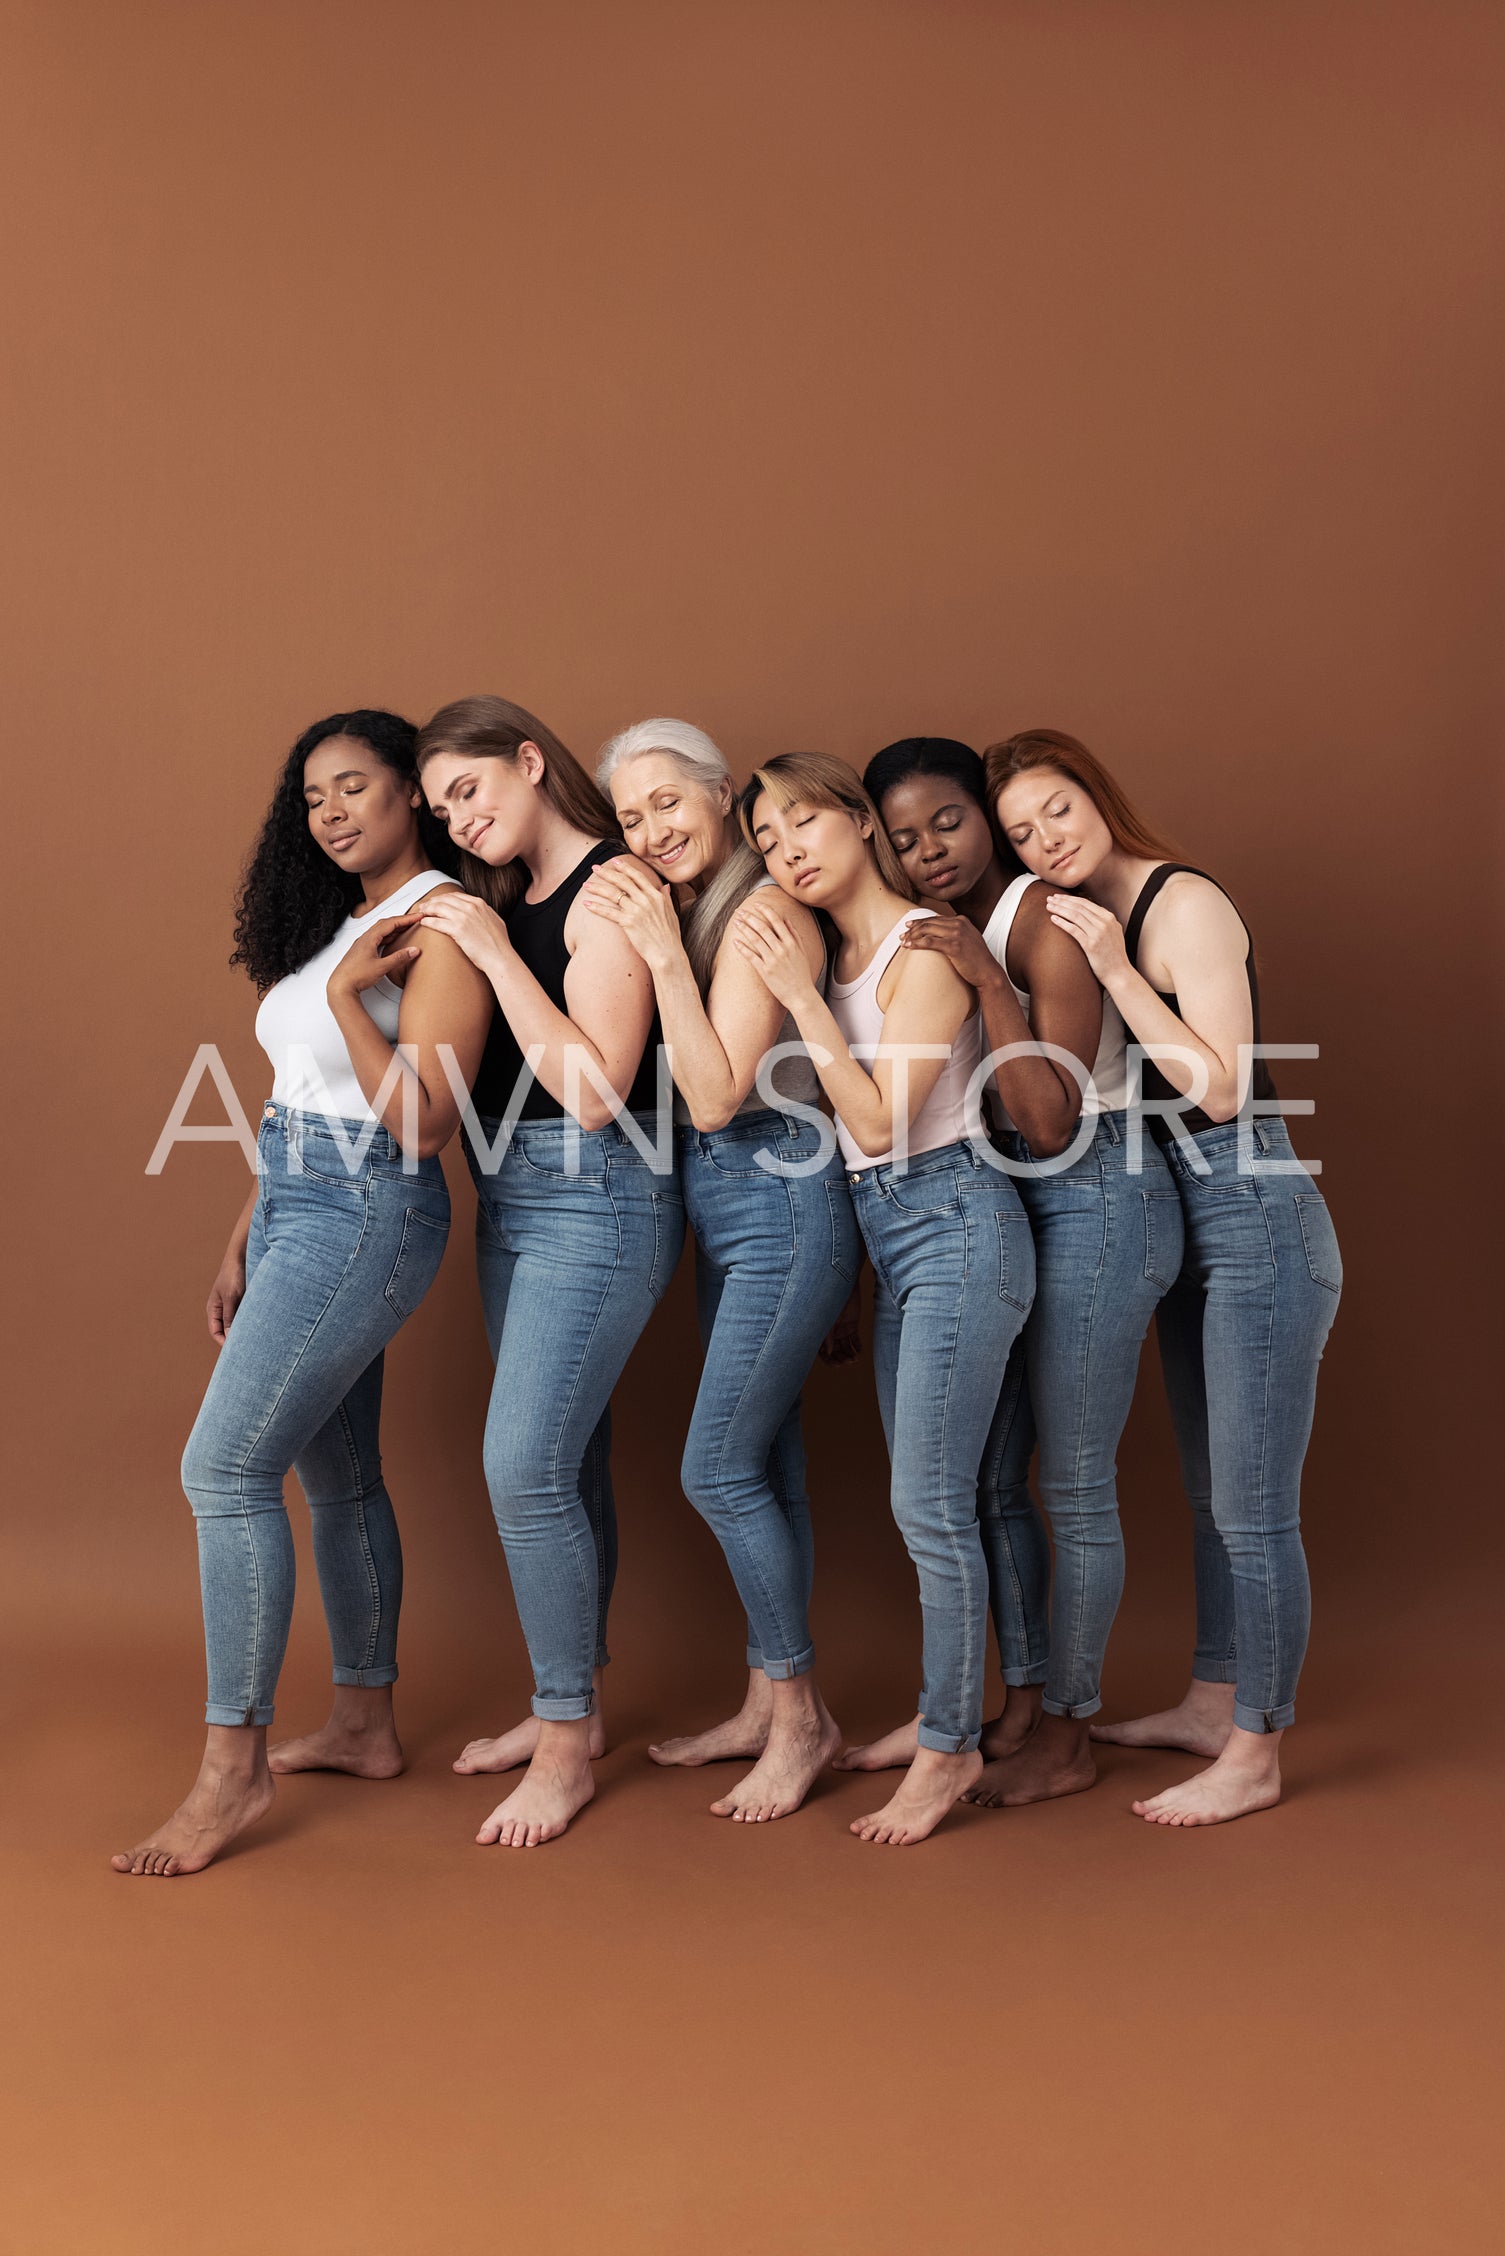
1108	1090
942	1119
300	1033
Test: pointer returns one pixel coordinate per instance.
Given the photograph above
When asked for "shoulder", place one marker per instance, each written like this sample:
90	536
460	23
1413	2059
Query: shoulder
1192	908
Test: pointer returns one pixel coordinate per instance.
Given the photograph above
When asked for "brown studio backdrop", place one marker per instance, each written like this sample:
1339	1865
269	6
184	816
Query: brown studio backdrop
820	373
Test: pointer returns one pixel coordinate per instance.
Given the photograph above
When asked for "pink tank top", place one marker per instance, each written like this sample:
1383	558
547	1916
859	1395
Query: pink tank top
942	1119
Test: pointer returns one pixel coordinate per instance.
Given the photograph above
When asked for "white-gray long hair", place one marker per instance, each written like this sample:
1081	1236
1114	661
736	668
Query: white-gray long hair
703	763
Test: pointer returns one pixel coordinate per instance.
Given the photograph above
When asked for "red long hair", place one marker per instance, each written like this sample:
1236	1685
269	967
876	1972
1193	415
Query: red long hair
1049	748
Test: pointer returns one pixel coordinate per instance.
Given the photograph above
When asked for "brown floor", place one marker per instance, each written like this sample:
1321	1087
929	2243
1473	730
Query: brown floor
1056	2030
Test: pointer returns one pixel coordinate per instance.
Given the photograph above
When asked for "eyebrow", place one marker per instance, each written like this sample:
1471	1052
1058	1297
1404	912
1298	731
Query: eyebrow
453	786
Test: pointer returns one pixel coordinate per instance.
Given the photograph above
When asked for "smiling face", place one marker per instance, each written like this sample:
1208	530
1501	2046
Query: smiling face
1053	824
814	853
940	834
489	805
359	813
669	819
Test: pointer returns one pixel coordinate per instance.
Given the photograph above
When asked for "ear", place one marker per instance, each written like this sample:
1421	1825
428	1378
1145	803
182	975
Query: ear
725	795
531	760
864	826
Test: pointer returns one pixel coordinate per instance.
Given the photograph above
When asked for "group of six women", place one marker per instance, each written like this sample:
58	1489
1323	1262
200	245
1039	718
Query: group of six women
966	1019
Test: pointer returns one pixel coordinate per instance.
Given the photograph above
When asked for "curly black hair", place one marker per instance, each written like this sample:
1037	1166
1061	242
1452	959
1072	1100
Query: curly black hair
938	756
293	898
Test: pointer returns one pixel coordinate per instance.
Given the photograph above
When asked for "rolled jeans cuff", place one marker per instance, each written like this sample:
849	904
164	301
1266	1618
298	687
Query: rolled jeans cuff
1264	1719
564	1710
1078	1710
779	1671
231	1716
1032	1673
1214	1672
947	1742
367	1679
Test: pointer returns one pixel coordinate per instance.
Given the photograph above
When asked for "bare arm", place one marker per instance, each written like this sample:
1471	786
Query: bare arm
1042	1095
444	1000
927	1003
717	1043
608	1001
229	1287
1197	943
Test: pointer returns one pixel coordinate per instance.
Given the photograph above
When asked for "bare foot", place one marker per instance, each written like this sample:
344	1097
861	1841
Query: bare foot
931	1785
1009	1729
1199	1726
1056	1759
799	1747
893	1752
1245	1778
555	1787
360	1738
739	1739
233	1789
511	1748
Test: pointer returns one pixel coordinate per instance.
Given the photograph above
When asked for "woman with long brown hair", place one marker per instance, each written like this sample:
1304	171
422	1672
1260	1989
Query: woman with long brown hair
579	1221
1243	1328
947	1235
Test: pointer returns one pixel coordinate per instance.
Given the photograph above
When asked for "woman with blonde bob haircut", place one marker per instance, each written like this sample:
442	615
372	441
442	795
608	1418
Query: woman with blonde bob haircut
776	1244
577	1234
950	1246
1243	1328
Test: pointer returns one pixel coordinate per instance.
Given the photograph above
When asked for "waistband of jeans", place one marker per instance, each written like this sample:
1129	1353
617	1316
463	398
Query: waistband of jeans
540	1135
378	1146
1223	1143
745	1127
963	1153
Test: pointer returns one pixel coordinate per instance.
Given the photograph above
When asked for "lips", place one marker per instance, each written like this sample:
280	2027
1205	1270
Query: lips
340	840
1065	858
806	877
672	853
474	840
938	880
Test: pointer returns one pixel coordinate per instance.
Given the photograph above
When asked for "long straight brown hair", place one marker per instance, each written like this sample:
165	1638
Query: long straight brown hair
1049	748
818	779
493	728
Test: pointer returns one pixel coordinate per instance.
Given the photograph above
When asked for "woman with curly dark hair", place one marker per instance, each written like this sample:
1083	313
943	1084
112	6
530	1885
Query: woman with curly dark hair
374	1031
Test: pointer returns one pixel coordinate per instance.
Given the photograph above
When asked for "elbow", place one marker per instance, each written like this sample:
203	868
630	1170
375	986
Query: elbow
708	1118
595	1113
1049	1140
872	1142
1220	1104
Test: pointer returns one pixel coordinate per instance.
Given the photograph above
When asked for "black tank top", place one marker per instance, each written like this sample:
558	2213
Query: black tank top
536	929
1154	1083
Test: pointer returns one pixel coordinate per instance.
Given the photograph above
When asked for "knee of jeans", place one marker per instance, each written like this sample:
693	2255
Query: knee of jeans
211	1483
1004	1499
519	1480
717	1493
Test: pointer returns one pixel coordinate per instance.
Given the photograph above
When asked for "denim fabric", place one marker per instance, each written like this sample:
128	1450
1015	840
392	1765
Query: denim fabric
1108	1245
573	1259
955	1275
1241	1336
776	1257
335	1262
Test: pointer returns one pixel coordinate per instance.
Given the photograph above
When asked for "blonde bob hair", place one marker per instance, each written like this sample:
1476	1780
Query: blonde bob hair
818	779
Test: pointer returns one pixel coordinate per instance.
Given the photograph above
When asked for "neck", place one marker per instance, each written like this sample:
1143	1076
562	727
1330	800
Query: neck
1117	881
865	914
555	849
978	904
378	884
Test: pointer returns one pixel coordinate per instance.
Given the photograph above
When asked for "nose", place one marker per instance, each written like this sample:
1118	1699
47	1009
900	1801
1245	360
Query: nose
933	851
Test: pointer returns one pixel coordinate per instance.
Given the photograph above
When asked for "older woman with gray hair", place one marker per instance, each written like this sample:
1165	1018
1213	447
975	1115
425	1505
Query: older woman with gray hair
777	1248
